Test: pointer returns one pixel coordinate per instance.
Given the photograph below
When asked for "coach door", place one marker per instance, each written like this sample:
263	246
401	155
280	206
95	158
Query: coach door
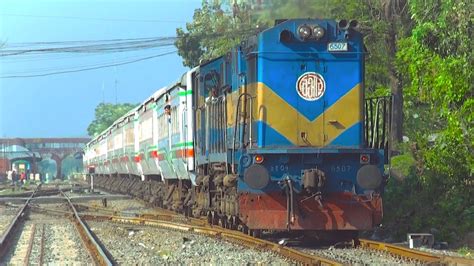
310	90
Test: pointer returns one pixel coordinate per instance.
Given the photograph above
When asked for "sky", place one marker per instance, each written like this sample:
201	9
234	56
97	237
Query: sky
63	105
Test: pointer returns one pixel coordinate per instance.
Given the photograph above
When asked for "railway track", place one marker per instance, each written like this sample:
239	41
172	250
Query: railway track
423	257
8	232
171	220
217	232
46	239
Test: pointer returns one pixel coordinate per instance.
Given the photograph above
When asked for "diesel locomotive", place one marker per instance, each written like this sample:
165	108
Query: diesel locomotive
274	135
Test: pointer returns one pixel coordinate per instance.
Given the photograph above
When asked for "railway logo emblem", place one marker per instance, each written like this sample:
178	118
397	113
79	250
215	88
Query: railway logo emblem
311	86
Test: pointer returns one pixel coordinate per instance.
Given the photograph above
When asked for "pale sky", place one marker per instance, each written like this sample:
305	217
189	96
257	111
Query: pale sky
63	105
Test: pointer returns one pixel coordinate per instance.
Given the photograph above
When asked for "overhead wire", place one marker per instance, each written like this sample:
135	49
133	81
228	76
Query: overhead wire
98	47
95	48
20	44
114	45
90	68
92	64
98	19
54	57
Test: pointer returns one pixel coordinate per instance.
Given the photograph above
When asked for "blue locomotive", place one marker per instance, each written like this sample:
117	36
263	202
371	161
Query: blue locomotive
274	135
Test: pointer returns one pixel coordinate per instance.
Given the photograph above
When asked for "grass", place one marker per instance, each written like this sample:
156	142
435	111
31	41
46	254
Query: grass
466	252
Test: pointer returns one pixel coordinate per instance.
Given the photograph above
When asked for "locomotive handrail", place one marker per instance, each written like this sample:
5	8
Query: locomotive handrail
376	127
235	127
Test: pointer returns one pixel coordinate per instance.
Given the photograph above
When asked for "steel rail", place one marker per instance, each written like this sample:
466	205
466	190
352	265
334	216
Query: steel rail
162	215
97	252
221	233
7	234
30	245
414	254
202	226
41	257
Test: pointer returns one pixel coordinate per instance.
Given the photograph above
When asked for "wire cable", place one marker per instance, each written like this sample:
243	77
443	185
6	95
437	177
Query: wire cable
113	47
99	19
103	61
90	68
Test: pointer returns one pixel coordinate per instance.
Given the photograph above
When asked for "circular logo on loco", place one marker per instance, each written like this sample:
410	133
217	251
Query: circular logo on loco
310	86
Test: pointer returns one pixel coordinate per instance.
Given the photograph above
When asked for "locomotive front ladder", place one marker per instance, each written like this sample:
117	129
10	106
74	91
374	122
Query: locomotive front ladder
240	124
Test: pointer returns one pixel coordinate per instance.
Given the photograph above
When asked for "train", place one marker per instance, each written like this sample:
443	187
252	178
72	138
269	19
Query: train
275	135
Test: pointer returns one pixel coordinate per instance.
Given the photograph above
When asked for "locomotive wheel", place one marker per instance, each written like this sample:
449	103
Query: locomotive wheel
209	217
234	223
188	212
255	233
244	229
229	223
222	221
215	218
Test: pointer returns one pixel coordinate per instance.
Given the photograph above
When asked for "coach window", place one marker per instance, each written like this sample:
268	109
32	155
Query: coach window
168	109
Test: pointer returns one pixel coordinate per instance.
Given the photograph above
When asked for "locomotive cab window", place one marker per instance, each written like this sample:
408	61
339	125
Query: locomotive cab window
212	83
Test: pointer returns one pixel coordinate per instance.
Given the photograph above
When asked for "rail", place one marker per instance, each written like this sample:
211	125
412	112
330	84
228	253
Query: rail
7	234
95	249
167	219
424	257
221	233
170	220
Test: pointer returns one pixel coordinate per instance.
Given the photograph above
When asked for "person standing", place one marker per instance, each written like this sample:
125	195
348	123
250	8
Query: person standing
14	179
22	178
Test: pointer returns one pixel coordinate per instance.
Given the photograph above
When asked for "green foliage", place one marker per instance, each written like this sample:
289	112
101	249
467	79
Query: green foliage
466	252
105	116
213	32
404	164
435	63
284	9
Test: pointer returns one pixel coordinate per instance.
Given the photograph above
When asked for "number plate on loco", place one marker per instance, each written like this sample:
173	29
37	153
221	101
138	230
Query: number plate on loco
337	47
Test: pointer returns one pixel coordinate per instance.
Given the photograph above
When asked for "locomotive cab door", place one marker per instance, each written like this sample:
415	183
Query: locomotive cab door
310	94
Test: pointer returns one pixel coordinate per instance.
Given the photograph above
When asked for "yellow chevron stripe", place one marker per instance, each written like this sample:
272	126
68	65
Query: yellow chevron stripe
270	108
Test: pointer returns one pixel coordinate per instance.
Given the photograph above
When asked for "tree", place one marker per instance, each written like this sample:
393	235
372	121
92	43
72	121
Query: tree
383	23
435	62
283	9
105	115
214	31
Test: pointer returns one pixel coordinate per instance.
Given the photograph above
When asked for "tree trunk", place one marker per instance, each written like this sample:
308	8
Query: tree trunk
392	12
396	131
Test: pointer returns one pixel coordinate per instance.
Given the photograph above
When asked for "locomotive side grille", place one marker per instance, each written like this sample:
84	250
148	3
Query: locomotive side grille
216	124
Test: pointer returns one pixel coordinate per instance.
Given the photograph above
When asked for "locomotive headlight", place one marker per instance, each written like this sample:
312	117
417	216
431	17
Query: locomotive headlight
318	32
369	177
304	32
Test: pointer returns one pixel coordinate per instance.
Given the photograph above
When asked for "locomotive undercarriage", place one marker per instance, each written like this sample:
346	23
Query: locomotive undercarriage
215	195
